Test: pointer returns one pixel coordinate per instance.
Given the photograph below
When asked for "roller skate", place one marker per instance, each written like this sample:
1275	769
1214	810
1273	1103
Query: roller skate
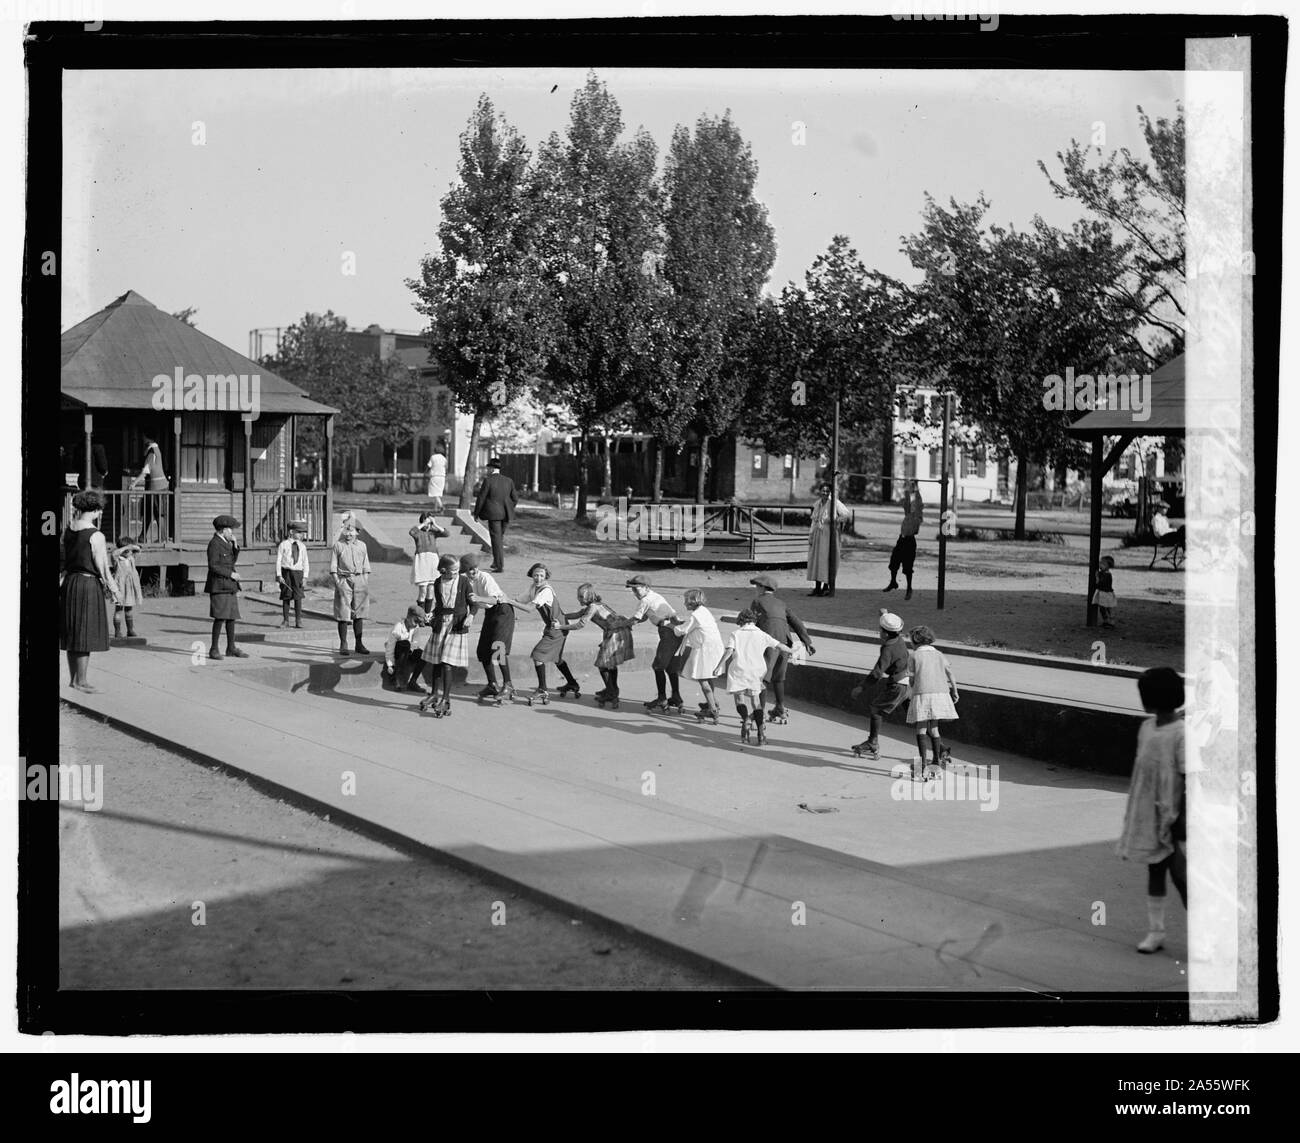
487	694
945	757
675	706
443	709
655	705
762	735
869	749
568	688
429	705
744	730
539	697
707	714
606	698
779	715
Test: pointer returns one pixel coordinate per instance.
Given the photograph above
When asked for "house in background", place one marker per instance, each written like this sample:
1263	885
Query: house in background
217	459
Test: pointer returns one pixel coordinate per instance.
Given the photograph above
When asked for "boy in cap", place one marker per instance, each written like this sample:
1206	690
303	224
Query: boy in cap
350	570
890	674
773	616
222	585
291	570
654	607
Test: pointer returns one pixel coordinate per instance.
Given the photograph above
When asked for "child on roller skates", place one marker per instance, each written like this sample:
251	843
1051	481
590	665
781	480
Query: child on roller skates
934	694
891	679
703	645
654	608
615	646
745	664
550	647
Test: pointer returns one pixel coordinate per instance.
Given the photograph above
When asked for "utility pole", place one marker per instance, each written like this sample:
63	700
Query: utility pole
943	496
833	561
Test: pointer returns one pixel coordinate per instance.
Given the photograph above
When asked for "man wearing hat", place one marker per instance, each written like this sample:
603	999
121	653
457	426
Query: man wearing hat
890	674
350	570
291	571
774	617
496	505
222	585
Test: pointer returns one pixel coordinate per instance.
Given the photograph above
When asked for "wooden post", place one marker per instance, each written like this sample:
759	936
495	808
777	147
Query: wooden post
247	529
832	558
329	479
1094	526
88	424
943	499
176	468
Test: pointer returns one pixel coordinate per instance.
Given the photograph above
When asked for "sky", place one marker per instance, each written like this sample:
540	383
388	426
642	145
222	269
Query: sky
298	168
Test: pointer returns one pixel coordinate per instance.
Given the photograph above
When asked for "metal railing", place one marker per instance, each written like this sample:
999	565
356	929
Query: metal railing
273	512
135	516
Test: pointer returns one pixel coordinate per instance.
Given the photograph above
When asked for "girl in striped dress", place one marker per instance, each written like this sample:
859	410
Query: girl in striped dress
448	644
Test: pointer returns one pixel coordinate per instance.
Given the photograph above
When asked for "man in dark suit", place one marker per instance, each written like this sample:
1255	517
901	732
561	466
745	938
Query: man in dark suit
496	506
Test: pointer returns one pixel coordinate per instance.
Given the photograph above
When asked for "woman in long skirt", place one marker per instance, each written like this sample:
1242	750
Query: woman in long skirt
83	616
824	540
448	645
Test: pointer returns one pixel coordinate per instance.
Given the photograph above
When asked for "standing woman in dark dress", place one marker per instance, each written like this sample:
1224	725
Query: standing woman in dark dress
83	616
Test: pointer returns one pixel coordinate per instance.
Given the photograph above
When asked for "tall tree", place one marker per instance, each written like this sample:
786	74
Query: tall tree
482	291
601	227
1000	310
397	404
719	250
1144	203
315	355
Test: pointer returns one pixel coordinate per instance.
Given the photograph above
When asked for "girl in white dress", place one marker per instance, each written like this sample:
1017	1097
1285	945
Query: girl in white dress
745	665
934	694
704	650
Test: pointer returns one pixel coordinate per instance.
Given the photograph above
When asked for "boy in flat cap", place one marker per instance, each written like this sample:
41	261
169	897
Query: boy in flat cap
291	571
350	570
222	585
774	617
890	674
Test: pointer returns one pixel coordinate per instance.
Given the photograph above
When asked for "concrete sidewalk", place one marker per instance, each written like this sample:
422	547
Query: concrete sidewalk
795	864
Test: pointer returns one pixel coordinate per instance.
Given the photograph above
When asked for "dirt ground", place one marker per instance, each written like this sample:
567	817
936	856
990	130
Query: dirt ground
1027	596
292	900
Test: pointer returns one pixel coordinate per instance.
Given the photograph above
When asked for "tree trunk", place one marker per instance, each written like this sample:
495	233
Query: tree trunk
704	468
657	492
1022	495
471	462
581	512
607	486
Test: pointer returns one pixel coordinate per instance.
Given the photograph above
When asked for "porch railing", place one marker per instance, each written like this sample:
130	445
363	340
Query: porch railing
273	512
132	516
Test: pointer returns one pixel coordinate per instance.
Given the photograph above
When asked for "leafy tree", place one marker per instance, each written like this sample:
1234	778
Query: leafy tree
482	292
719	250
315	355
600	205
997	311
396	403
1144	203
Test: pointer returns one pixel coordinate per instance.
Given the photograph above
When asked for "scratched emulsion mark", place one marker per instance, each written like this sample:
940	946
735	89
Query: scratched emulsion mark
703	884
963	967
759	854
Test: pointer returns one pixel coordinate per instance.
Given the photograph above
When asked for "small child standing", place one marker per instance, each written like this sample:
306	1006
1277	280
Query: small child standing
1155	829
745	665
934	694
1104	596
128	587
291	571
615	646
424	564
703	644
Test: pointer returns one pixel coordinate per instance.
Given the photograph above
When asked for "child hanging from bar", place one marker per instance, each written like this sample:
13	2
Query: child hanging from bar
934	694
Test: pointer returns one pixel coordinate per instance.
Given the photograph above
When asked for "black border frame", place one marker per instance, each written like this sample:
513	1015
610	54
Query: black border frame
1137	42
